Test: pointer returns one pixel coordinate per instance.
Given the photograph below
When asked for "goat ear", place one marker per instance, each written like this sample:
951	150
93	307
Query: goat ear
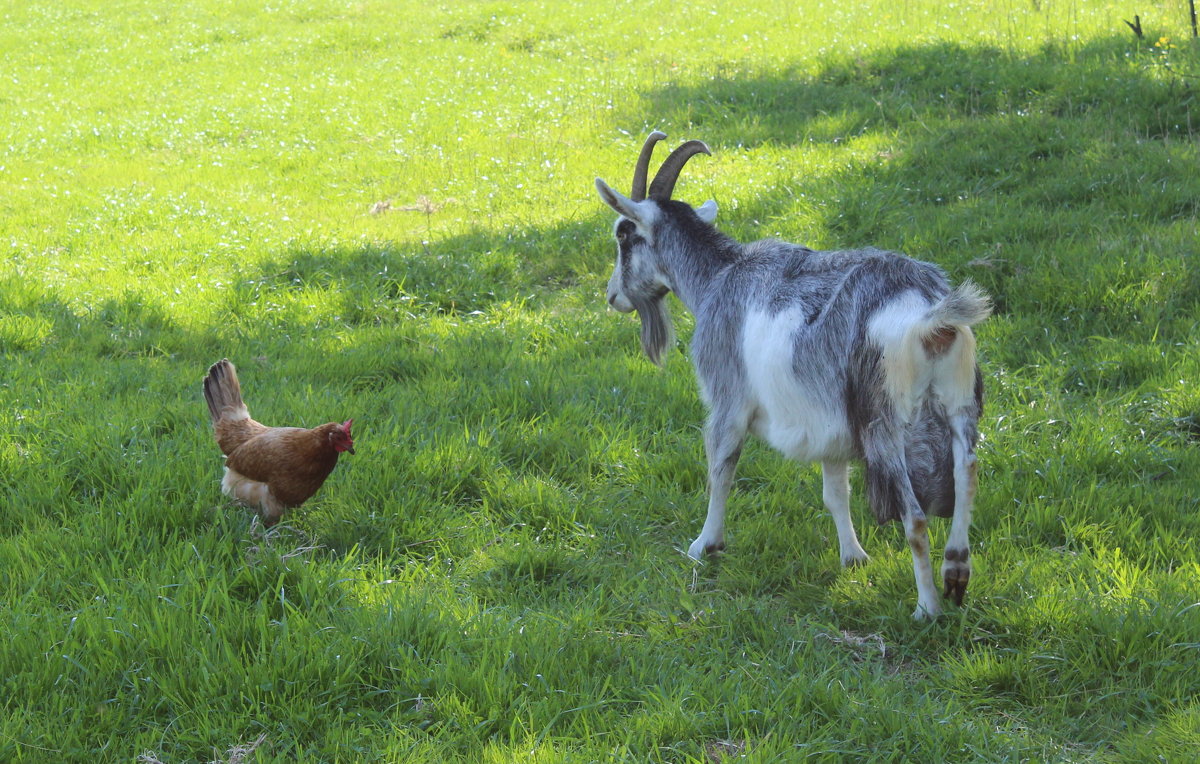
623	205
707	211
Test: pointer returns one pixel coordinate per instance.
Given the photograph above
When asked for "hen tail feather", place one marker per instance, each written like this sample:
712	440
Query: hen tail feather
223	393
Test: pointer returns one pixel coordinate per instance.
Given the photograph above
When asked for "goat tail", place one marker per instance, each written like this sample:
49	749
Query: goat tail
223	392
965	305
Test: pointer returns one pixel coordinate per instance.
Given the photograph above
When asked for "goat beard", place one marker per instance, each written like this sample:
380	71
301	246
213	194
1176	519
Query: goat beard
657	334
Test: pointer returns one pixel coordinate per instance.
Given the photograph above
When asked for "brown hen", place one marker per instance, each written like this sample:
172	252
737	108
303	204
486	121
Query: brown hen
270	469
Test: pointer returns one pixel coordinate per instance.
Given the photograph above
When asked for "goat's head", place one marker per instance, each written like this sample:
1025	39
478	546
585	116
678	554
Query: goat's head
640	279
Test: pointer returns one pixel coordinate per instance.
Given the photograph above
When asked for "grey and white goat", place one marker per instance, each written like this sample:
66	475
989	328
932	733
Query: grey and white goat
830	356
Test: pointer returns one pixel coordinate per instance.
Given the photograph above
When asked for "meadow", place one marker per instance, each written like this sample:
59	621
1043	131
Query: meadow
385	211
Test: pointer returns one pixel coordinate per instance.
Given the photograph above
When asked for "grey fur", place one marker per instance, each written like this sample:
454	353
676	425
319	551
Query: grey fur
818	307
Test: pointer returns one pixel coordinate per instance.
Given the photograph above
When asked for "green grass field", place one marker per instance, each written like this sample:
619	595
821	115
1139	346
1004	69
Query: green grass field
385	211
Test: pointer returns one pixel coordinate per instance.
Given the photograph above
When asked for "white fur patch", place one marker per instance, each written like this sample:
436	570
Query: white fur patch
800	423
909	372
897	328
954	372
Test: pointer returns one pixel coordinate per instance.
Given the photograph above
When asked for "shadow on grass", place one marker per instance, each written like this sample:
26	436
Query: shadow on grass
1024	171
1061	180
885	89
441	353
475	419
460	274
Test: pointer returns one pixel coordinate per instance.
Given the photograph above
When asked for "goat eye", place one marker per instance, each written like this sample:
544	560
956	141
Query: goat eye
621	237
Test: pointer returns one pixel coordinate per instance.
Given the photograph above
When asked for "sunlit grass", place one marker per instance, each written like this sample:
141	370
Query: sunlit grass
385	211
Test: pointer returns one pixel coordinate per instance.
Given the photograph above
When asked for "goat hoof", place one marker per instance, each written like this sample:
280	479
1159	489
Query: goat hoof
926	612
855	560
955	590
955	575
701	548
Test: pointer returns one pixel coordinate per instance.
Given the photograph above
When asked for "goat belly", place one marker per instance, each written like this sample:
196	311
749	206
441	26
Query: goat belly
797	408
801	435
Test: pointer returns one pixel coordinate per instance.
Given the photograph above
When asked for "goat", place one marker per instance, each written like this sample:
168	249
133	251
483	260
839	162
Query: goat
828	356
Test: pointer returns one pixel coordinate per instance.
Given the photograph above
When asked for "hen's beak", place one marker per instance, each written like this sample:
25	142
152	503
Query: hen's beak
350	449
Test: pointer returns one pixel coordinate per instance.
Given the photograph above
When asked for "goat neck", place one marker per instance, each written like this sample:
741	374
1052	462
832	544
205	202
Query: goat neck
691	252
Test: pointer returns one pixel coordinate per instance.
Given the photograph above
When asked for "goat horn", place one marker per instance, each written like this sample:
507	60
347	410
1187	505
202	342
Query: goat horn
664	181
643	166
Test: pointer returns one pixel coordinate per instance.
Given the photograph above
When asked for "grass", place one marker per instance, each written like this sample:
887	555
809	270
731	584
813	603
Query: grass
385	211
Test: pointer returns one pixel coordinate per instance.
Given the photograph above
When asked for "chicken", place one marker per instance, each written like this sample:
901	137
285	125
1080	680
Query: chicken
270	469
